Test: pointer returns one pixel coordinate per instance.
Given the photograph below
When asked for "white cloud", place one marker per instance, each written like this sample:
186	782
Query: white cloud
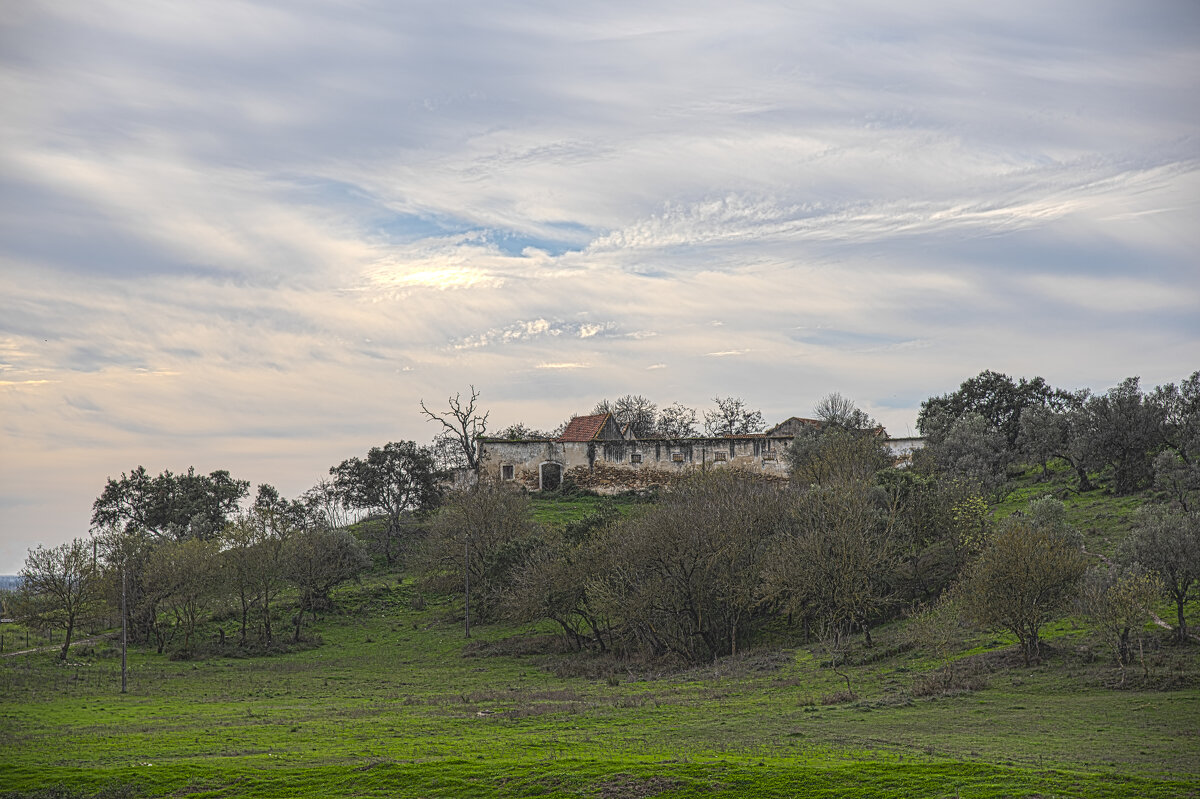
254	237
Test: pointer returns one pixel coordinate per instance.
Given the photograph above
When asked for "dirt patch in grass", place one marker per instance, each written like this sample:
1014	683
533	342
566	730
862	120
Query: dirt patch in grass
625	786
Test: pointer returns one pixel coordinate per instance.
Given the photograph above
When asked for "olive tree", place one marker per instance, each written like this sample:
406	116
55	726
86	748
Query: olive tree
1123	431
971	447
1026	575
393	480
1118	600
1168	544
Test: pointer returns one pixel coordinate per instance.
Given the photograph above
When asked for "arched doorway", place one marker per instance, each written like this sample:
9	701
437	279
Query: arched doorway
550	476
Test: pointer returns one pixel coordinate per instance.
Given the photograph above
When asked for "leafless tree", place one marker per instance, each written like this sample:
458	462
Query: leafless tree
677	421
464	423
732	417
836	410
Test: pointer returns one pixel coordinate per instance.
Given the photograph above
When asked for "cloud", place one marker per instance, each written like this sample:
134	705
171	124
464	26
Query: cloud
254	237
534	329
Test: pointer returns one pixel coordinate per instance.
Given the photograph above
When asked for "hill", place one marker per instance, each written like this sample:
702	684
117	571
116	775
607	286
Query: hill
394	701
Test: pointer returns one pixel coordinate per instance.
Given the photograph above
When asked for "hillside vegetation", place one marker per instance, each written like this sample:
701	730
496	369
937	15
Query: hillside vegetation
394	701
967	627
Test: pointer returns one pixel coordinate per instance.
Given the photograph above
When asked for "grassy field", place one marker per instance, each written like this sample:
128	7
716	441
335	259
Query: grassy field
395	702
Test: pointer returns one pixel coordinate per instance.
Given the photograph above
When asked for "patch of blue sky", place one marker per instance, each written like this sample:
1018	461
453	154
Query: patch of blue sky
511	243
403	228
574	237
374	214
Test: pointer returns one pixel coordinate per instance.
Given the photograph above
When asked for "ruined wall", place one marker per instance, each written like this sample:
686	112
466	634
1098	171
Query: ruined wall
624	465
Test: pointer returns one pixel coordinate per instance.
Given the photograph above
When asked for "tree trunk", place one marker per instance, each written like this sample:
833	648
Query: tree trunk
245	615
67	640
1181	628
1085	483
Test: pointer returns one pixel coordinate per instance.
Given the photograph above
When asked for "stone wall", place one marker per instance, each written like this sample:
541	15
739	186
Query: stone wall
625	465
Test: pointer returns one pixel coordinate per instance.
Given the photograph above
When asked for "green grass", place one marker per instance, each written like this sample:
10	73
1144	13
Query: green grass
394	703
1102	517
557	510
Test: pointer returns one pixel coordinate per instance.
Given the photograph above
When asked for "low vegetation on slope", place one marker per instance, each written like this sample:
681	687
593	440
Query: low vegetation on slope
968	627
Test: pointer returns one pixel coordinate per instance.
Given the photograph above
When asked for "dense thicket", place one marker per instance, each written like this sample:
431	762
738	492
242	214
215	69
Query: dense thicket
1131	440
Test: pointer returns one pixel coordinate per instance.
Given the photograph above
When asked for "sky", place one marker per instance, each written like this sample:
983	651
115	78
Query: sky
253	236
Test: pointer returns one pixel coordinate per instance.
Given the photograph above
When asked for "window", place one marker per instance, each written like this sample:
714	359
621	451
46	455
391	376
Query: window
506	472
677	457
635	457
718	456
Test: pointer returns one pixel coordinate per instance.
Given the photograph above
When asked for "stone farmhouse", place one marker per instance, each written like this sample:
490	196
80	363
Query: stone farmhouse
595	452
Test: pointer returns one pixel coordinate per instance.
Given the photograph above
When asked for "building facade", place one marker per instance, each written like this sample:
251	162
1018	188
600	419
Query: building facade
594	452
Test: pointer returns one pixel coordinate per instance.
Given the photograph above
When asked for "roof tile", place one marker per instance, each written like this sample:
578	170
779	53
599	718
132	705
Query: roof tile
584	428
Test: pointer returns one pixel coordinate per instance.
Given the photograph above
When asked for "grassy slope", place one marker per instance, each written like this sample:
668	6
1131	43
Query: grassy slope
391	706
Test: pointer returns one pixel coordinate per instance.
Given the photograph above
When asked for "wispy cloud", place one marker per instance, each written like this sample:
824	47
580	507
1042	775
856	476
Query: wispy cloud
230	220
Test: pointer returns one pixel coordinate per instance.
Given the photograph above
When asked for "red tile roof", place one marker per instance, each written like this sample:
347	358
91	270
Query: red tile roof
584	428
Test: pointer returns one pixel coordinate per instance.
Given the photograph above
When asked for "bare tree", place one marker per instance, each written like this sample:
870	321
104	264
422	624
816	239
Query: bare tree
189	575
463	423
831	567
682	578
324	505
632	410
486	532
318	560
731	417
638	413
838	411
677	421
